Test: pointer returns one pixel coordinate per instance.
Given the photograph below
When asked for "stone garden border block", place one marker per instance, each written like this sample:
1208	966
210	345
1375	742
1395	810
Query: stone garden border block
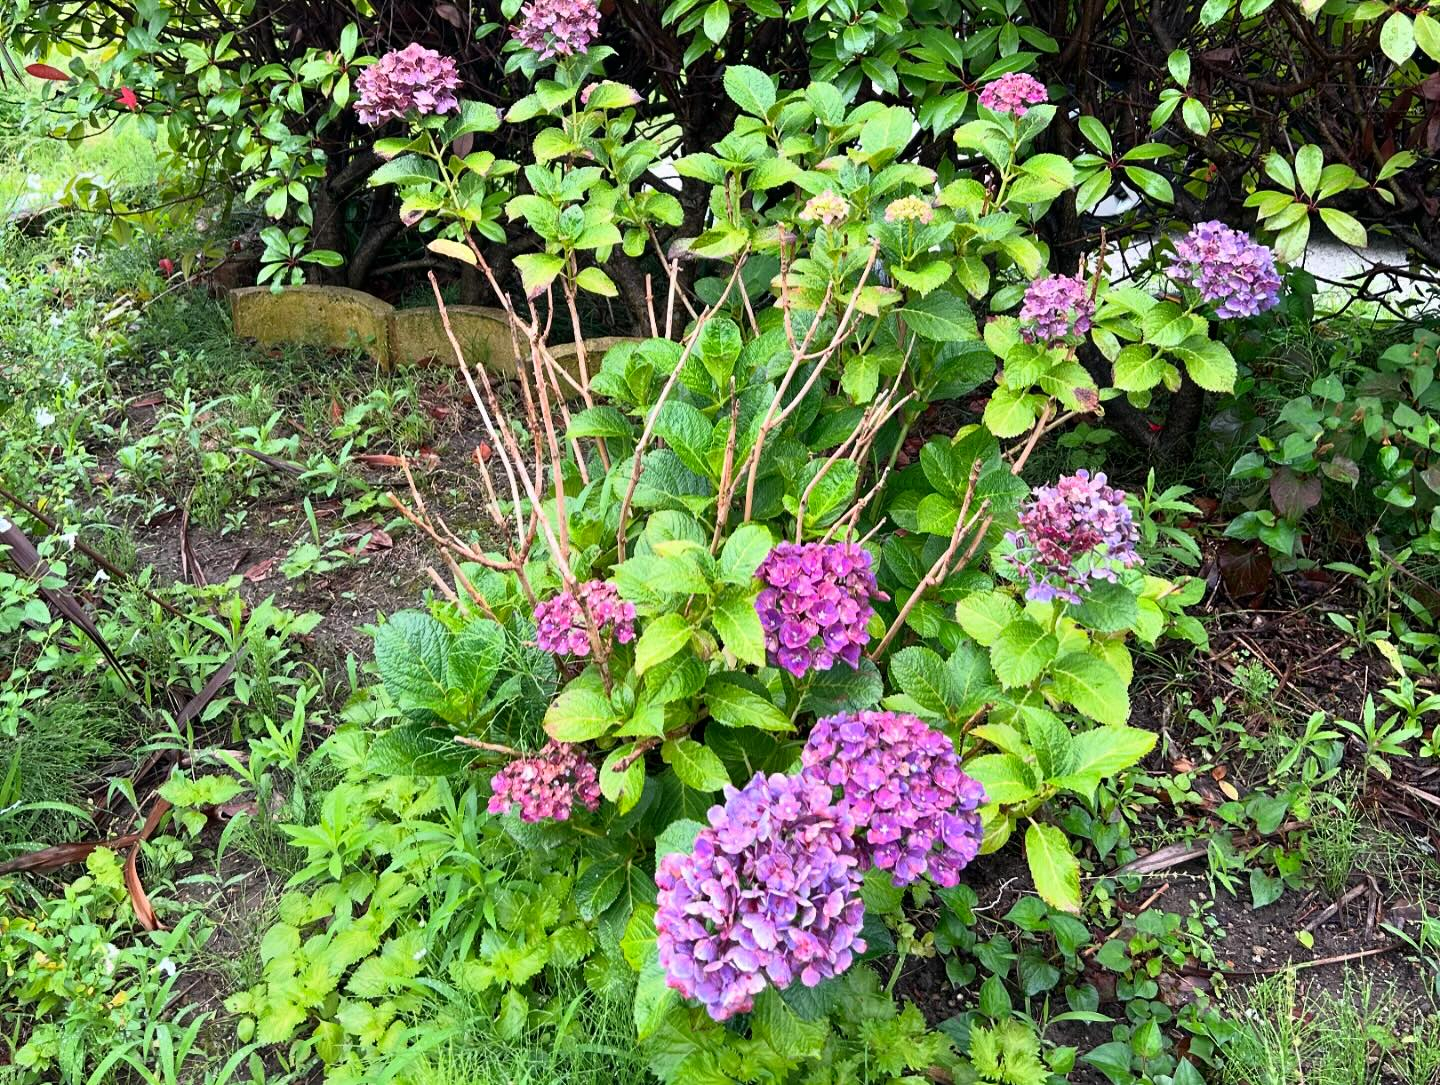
336	316
322	316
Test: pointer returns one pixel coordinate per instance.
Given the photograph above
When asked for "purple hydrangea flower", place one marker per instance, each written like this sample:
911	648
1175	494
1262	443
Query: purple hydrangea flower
1056	308
1071	533
547	785
1013	93
558	27
815	604
1229	268
410	80
900	781
770	893
560	622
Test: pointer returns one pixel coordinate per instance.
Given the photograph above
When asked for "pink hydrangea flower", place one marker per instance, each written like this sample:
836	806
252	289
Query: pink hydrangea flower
815	604
1076	531
560	622
1013	93
558	27
768	894
899	780
409	80
546	786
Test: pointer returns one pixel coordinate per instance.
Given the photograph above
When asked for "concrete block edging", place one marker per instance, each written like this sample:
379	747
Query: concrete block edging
336	316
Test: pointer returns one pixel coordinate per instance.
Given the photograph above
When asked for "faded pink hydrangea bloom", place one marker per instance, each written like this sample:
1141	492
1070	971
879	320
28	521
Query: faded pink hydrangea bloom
1071	533
826	209
546	786
558	27
410	80
560	622
910	209
1013	93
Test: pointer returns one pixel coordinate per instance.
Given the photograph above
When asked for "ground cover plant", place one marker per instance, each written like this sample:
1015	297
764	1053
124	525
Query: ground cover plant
821	684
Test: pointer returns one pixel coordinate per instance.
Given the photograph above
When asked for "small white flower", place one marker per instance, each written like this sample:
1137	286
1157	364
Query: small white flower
43	418
112	954
56	320
419	954
166	966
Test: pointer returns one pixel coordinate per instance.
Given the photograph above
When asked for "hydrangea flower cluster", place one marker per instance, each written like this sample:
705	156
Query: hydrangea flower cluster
405	81
770	893
1056	307
910	209
900	781
815	604
560	622
1229	268
826	209
1071	533
547	785
558	27
1013	93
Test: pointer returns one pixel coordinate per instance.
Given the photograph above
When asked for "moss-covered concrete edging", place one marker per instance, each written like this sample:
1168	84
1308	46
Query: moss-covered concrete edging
336	316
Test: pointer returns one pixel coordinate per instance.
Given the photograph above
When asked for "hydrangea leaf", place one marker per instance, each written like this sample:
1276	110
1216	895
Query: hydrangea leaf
412	651
697	765
1053	866
1021	652
1092	686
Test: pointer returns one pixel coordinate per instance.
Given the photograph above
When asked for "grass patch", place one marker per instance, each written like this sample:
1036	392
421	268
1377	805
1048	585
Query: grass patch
1282	1033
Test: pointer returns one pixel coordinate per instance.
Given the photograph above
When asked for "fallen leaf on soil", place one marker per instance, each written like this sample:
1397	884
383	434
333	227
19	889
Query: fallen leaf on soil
380	459
368	539
144	910
1171	855
260	570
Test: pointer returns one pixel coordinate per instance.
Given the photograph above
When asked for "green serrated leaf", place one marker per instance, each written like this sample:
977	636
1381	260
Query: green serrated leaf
1053	866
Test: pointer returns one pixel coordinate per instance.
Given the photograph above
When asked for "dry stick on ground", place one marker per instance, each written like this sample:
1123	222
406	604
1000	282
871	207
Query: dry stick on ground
649	431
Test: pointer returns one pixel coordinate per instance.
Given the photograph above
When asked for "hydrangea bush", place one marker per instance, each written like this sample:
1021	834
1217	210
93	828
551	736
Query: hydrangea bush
738	548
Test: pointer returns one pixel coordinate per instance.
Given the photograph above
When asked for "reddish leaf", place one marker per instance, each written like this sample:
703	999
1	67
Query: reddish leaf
1294	495
1245	568
23	553
46	71
60	855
